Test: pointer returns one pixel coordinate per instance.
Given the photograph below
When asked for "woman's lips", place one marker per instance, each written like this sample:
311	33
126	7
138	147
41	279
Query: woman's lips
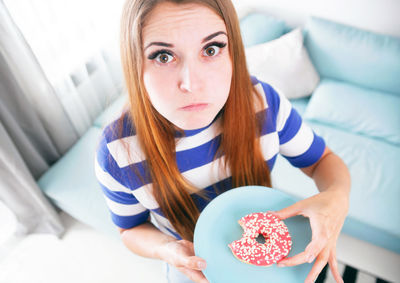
194	107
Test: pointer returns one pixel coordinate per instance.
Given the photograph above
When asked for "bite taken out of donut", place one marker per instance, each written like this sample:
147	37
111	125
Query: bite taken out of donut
277	240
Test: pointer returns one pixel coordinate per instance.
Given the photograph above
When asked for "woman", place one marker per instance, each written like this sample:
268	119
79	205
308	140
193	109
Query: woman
198	125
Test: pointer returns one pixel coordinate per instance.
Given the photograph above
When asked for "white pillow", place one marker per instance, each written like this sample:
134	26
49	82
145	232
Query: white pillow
284	64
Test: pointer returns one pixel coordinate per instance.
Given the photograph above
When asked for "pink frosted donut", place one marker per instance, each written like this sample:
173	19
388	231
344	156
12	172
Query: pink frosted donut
277	240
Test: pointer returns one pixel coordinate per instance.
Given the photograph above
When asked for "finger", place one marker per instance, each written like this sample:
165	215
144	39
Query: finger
316	269
310	253
194	275
194	262
189	245
334	267
289	211
295	260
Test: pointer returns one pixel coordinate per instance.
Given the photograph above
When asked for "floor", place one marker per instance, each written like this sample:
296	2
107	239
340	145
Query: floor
83	255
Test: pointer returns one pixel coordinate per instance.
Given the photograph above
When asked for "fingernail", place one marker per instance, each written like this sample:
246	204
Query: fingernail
310	258
201	265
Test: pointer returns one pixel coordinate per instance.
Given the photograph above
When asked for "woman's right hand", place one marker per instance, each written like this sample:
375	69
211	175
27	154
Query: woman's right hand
180	253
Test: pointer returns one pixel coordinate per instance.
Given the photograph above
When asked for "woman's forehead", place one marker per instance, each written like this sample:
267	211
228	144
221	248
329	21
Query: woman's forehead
172	22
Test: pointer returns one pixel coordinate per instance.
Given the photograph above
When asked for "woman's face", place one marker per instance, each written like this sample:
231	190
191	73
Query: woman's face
187	69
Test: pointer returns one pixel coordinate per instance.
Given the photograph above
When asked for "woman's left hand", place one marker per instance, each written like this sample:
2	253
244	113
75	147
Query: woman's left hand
326	211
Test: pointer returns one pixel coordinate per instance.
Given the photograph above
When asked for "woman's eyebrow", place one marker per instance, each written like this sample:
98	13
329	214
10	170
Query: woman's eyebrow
159	44
211	36
207	38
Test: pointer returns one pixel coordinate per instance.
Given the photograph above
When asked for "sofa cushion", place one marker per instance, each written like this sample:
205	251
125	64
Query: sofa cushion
374	213
353	55
284	63
112	112
300	104
71	185
258	28
355	109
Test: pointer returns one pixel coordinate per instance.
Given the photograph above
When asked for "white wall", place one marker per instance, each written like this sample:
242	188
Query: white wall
382	16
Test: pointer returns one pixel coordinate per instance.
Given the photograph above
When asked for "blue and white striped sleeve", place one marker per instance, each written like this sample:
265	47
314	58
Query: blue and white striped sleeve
125	210
298	143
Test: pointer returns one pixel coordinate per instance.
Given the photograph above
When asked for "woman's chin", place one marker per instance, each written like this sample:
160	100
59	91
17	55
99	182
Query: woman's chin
194	125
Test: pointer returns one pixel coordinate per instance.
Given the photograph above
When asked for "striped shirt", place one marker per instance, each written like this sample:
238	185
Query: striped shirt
129	196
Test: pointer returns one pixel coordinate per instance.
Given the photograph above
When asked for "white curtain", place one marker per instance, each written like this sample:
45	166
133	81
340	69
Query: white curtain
76	44
59	69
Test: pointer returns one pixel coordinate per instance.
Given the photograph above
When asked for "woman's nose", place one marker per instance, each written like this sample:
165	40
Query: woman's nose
189	81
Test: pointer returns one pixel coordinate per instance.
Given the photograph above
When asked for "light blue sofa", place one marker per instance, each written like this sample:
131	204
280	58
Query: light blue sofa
356	108
71	183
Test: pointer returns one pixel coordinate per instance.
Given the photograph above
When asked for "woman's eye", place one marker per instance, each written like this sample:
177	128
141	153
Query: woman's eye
211	51
164	58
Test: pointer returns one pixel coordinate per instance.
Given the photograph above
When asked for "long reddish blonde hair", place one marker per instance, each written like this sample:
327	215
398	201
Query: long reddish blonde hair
240	129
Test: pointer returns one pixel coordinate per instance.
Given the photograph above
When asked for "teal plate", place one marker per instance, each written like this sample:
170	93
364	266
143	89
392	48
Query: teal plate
218	226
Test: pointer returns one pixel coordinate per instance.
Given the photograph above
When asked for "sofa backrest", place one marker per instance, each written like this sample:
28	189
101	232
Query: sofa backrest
258	28
353	55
